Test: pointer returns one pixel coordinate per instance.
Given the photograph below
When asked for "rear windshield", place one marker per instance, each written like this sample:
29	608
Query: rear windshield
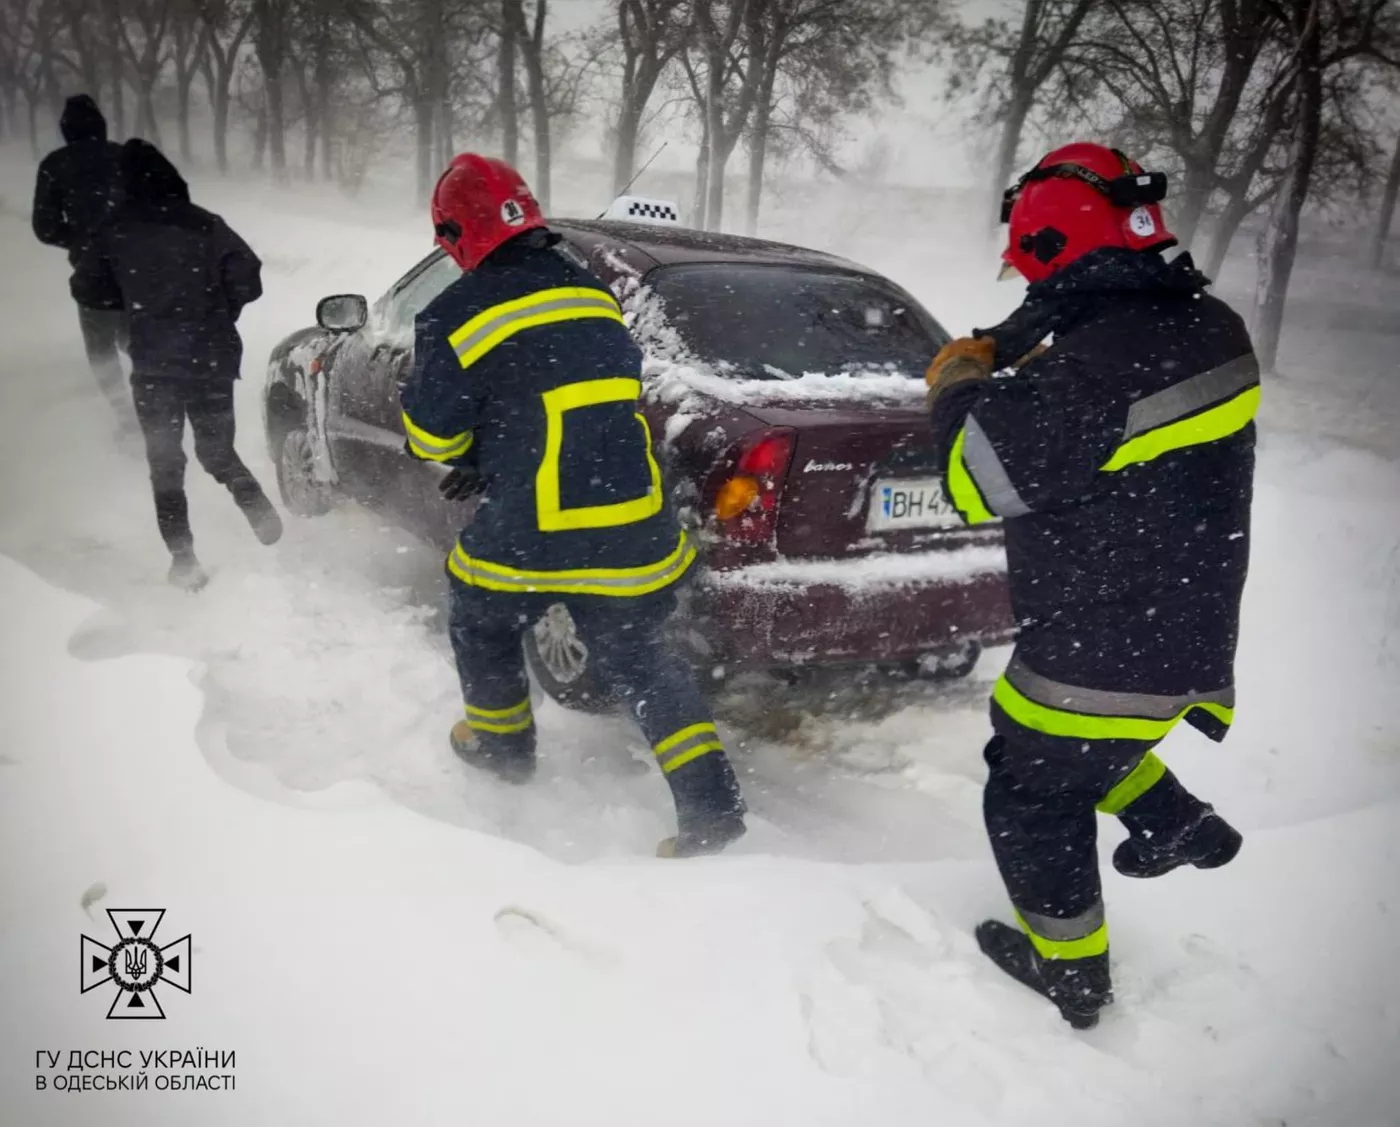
780	322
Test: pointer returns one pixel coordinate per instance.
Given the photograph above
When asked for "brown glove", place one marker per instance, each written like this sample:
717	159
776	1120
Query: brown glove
1035	353
967	358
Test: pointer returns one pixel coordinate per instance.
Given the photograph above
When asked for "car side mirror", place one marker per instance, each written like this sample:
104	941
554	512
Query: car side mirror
343	313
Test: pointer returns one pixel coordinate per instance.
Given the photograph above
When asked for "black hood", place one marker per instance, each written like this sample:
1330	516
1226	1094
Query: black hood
148	179
82	120
1062	300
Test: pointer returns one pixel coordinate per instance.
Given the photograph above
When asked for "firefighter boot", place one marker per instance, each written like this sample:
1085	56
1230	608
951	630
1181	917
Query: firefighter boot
185	571
248	495
709	808
511	758
1079	988
1207	842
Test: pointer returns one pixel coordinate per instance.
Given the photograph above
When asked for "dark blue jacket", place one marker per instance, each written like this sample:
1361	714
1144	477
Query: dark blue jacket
1122	463
524	368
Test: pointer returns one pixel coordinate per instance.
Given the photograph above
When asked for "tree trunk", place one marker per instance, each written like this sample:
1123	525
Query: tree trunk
276	126
510	121
1387	212
33	107
323	115
182	91
1198	183
260	136
539	105
758	152
147	126
702	178
629	124
1279	243
1010	142
423	123
1237	208
112	11
221	108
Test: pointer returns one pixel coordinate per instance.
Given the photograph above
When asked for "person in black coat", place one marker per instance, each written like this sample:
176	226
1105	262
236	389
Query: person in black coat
183	277
77	188
1121	461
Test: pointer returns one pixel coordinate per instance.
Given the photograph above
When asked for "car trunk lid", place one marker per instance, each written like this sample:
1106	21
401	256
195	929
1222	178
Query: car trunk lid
862	480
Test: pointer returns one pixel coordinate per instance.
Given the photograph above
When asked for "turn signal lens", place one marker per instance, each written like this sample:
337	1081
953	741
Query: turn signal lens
735	497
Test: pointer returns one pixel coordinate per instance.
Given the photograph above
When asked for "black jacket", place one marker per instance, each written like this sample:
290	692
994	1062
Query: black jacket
78	186
1122	463
524	367
180	273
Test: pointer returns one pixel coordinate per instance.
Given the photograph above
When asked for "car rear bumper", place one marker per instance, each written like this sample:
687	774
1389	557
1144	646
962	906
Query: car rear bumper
871	609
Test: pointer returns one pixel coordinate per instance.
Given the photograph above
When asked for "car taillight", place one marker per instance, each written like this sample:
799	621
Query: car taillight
746	503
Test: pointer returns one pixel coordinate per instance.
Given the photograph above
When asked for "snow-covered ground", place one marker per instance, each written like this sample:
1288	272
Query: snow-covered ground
382	937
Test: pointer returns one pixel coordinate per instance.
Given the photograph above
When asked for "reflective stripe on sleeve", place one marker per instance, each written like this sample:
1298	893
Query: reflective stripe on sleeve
962	489
993	482
1202	409
585	581
682	747
546	307
433	448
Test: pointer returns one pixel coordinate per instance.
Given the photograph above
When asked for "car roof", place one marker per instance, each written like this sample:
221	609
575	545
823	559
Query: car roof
669	246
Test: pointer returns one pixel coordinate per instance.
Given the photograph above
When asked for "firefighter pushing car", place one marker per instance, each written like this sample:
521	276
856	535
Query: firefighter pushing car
1121	460
526	383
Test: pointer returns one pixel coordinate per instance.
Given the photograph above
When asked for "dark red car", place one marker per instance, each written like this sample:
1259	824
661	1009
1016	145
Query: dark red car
784	389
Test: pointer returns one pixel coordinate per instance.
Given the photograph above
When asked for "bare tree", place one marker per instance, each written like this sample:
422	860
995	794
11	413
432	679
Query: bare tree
1017	58
511	18
1386	215
724	69
529	38
145	55
191	41
651	33
227	23
271	35
28	28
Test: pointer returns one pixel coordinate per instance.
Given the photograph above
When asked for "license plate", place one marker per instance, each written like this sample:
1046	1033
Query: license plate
915	502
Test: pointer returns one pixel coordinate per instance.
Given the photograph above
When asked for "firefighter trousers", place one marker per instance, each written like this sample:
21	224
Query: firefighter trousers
626	650
1039	805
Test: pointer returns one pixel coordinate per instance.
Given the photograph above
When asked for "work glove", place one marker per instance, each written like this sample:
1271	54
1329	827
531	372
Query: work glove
1034	354
461	483
967	358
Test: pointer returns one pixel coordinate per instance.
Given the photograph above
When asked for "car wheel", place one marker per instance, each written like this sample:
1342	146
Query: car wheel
559	659
301	493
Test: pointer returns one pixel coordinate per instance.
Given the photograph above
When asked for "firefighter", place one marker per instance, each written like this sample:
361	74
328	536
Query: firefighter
526	382
1121	461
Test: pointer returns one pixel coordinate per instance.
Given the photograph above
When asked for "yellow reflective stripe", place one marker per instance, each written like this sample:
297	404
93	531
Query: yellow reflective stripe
1095	943
1219	711
691	753
1136	783
1054	722
967	498
502	728
432	447
1209	426
689	744
500	713
684	734
588	581
546	307
589	393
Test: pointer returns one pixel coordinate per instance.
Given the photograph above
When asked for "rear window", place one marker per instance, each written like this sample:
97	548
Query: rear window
780	322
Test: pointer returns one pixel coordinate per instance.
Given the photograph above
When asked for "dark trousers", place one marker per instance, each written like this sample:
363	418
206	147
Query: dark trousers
104	337
1040	805
162	406
626	649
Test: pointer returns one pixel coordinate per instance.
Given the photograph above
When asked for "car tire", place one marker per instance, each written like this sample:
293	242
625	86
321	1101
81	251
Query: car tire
302	494
558	660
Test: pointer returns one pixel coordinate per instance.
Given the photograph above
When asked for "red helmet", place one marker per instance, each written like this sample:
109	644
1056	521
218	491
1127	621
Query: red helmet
1077	199
478	204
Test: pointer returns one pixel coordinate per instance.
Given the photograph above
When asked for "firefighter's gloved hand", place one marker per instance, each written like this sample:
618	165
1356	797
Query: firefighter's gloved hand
967	358
461	483
1034	354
